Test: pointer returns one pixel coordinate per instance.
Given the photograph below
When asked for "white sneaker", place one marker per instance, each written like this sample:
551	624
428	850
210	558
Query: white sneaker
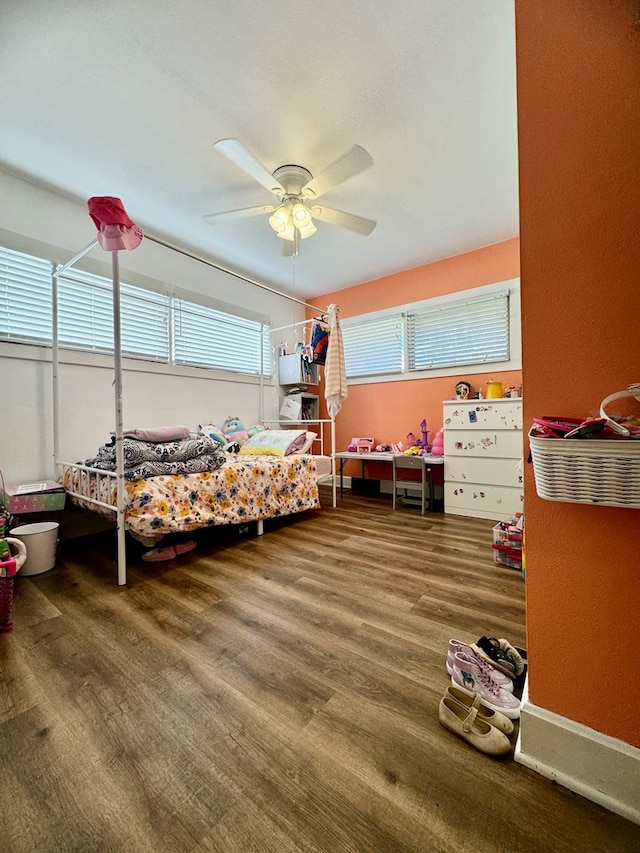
457	646
470	678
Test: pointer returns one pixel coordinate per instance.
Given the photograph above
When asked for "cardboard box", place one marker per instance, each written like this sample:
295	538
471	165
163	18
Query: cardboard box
47	496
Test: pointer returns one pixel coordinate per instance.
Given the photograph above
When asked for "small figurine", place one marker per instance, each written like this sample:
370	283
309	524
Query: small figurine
463	389
424	441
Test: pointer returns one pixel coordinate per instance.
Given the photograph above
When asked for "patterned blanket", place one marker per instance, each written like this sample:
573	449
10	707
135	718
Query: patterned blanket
242	489
144	459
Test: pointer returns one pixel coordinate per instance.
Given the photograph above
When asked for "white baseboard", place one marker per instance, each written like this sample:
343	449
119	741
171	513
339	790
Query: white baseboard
596	766
346	482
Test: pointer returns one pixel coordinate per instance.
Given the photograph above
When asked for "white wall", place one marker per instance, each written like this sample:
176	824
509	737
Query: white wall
36	220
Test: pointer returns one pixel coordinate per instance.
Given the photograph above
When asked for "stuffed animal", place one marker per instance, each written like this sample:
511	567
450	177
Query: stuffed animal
414	450
254	430
411	440
214	432
235	431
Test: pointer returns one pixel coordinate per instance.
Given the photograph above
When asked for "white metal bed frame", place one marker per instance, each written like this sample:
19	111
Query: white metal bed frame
104	477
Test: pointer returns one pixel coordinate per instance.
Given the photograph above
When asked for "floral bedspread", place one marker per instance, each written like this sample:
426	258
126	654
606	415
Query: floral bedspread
243	489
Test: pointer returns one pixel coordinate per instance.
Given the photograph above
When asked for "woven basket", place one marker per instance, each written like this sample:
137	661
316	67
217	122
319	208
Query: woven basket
587	471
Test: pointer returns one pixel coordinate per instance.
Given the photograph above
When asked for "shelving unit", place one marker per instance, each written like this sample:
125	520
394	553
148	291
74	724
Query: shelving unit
300	407
295	370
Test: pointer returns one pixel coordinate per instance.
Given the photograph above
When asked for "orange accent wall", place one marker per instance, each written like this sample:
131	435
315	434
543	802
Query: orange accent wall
579	137
388	411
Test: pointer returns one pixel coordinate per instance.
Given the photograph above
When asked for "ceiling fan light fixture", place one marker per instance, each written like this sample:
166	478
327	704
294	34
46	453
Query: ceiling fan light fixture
287	233
308	230
301	215
280	218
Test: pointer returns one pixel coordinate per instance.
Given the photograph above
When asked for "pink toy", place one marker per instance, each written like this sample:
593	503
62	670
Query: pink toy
361	445
412	441
424	442
437	448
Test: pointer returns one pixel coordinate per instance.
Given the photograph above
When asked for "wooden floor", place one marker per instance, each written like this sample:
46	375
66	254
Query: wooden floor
274	693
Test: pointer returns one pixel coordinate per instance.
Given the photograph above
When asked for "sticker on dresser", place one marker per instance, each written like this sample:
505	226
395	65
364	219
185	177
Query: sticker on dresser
505	414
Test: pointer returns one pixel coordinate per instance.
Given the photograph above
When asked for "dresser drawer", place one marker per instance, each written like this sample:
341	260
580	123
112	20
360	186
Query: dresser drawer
495	502
502	443
496	472
483	415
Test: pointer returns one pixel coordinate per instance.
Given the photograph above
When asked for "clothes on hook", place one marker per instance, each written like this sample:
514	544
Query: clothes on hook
309	339
319	340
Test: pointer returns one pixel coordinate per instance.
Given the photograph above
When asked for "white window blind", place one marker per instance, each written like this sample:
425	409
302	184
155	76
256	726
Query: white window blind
211	338
85	317
374	347
459	333
25	297
150	321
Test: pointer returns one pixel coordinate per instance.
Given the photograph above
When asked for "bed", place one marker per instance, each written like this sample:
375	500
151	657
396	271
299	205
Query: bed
244	488
240	490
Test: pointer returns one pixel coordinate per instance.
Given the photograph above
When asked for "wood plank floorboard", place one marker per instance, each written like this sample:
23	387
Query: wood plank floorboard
270	694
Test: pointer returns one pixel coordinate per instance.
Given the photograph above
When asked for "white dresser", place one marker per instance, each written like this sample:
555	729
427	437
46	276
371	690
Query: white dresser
483	458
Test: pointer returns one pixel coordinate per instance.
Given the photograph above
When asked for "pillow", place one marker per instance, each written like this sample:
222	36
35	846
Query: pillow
310	437
274	442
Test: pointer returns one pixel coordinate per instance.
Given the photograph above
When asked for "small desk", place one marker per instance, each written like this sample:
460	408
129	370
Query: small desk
430	463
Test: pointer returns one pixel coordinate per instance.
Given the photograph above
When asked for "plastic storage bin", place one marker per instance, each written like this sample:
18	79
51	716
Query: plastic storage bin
507	543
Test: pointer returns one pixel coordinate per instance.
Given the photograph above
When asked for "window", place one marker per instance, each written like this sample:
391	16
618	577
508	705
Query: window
211	338
374	347
85	317
473	332
437	336
154	326
25	297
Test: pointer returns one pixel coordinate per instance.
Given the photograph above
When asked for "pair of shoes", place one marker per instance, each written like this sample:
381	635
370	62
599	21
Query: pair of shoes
469	677
502	655
455	646
471	723
170	552
494	718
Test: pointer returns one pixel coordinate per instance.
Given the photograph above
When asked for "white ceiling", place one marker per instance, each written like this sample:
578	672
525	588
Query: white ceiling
127	98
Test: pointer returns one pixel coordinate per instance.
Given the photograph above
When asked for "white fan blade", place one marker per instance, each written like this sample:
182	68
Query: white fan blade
240	213
345	220
235	151
356	160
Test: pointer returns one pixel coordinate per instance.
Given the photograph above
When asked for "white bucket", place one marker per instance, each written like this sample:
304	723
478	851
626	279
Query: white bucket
40	540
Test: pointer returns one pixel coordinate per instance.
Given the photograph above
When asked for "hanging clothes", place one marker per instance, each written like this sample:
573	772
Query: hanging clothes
320	332
335	373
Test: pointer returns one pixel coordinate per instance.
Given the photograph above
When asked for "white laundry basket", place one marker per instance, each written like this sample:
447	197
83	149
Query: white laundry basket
40	540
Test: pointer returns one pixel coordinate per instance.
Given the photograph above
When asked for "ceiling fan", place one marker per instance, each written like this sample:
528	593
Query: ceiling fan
296	188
